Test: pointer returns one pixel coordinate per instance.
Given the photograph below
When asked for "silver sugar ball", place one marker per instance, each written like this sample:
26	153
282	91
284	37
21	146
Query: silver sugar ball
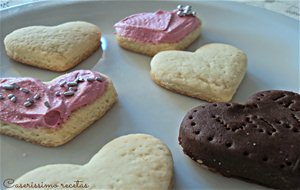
10	96
69	93
90	79
30	100
57	94
37	97
16	86
61	84
186	12
8	87
180	13
100	79
13	99
47	104
179	7
72	84
27	104
79	79
188	7
24	90
72	89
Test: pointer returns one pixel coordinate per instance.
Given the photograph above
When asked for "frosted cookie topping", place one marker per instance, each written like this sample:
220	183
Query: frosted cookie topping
30	103
158	27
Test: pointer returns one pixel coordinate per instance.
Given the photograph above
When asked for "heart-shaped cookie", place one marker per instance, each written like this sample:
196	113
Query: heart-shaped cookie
135	161
55	112
212	73
150	33
258	141
56	48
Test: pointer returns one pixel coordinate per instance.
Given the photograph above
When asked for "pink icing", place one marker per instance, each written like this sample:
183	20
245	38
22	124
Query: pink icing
159	27
39	115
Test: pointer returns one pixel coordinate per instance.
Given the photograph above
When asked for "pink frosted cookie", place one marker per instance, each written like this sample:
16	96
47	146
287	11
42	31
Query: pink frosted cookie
150	33
53	113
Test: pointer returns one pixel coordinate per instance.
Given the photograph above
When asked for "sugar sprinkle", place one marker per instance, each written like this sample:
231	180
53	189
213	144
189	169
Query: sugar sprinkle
100	79
185	11
79	79
30	100
72	84
16	86
8	87
24	90
10	96
37	96
69	93
13	99
90	79
72	89
57	93
61	84
46	103
27	104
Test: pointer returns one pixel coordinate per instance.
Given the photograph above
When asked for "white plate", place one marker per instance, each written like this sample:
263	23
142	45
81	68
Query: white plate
270	40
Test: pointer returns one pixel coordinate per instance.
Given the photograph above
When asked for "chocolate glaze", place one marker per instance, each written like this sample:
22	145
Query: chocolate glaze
258	141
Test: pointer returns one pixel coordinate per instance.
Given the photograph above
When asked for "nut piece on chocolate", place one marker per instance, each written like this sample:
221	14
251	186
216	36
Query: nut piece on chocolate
258	141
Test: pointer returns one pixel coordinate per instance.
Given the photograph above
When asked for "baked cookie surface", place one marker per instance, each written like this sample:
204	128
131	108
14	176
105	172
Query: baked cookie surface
135	161
56	48
212	73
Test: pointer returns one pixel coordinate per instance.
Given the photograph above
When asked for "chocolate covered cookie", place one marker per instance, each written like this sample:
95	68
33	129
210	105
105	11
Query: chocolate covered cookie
258	141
